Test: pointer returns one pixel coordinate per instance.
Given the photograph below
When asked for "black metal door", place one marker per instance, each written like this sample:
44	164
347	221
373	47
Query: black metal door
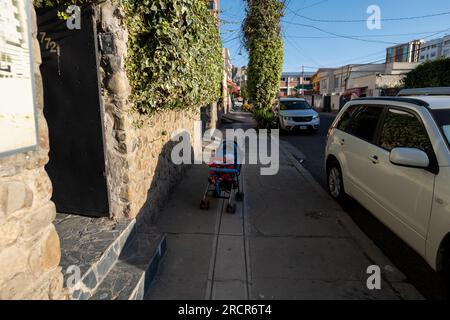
72	110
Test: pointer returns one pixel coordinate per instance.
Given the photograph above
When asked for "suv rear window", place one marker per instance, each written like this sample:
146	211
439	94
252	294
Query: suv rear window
404	129
361	121
442	118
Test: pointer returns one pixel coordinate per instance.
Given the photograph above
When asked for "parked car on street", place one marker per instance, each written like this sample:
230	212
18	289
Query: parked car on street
393	156
238	104
296	113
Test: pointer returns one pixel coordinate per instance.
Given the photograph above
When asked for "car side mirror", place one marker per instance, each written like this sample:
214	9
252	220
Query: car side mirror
409	157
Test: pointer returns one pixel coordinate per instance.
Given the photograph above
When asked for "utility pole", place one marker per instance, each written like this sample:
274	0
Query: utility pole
301	80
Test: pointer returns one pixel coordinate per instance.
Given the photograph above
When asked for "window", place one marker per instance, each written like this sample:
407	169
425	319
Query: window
361	121
336	82
403	129
405	53
344	121
442	118
390	54
365	122
433	54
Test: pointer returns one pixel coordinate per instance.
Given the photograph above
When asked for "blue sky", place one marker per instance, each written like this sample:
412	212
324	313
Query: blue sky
307	46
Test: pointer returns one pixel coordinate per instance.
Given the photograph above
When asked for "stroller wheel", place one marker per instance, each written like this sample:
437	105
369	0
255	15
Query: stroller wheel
204	204
231	208
239	196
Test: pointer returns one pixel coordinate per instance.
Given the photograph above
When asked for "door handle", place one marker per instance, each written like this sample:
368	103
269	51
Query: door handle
374	159
342	142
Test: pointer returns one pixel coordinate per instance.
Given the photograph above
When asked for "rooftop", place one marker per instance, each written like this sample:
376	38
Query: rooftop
297	74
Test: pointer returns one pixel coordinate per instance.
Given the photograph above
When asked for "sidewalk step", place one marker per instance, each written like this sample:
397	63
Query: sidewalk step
132	274
92	245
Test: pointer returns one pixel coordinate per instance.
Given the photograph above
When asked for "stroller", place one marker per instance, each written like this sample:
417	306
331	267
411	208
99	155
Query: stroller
224	176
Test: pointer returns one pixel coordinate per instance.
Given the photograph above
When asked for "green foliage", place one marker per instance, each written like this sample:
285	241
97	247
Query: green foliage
262	37
174	54
246	107
404	131
430	74
52	3
244	92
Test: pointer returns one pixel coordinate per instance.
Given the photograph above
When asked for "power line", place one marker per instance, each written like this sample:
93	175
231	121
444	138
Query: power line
229	40
379	52
301	51
393	57
312	5
364	20
363	36
336	34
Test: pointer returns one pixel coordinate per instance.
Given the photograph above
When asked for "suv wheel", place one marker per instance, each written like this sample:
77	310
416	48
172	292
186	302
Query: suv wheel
335	182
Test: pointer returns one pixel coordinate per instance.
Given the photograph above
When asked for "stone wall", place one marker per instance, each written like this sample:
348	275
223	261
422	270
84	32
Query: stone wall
139	169
29	244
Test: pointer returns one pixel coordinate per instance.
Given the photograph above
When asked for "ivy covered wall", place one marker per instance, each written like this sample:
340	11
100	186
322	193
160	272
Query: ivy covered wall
175	55
262	38
174	52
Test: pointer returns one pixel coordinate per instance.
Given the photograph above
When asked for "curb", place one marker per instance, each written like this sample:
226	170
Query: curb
390	273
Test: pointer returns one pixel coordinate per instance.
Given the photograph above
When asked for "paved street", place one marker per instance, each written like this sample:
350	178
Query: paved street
409	262
287	240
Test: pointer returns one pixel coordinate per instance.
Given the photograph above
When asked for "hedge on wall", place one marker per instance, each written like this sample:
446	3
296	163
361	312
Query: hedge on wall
51	3
174	53
262	38
430	74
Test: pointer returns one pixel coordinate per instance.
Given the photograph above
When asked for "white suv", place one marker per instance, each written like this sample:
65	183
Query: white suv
393	156
296	113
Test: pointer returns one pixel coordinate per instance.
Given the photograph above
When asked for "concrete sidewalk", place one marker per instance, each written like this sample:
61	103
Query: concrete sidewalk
303	246
288	240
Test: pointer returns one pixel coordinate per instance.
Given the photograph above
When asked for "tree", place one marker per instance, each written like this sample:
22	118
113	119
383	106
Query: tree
430	74
262	39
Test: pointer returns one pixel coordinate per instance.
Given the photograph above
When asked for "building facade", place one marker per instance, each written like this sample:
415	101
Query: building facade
227	78
295	83
239	76
406	52
335	82
214	5
435	49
